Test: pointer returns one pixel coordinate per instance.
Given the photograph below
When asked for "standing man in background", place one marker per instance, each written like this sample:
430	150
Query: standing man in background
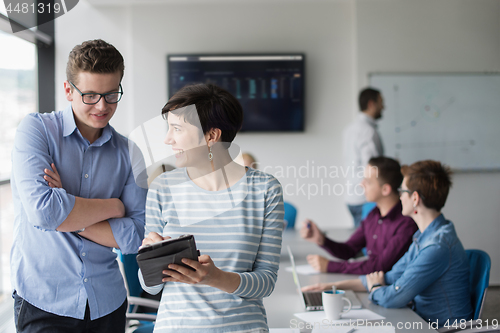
76	198
361	141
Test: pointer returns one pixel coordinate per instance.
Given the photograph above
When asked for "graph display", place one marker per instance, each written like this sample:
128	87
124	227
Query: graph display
270	88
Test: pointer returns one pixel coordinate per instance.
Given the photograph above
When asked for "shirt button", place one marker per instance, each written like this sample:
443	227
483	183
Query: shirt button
380	221
85	280
397	287
369	252
86	176
374	236
84	254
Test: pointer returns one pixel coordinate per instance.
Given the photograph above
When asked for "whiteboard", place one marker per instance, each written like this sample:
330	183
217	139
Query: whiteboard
452	118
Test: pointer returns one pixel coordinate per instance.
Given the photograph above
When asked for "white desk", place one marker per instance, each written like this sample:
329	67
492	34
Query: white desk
285	301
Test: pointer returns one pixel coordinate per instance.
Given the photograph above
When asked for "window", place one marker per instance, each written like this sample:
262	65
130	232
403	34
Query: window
18	92
18	97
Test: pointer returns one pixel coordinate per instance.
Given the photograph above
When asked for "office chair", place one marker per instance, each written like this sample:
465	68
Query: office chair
290	214
367	208
479	265
141	313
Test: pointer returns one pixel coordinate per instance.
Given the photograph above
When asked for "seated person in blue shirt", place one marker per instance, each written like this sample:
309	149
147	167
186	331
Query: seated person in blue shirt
235	214
76	198
433	276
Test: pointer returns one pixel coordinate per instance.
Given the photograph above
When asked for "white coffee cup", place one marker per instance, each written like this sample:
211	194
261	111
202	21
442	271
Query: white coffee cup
333	304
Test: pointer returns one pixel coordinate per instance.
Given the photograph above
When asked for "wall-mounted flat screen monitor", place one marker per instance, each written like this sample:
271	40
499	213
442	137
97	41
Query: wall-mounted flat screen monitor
270	88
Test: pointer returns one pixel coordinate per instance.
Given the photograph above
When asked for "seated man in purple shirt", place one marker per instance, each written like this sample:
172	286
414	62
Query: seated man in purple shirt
385	232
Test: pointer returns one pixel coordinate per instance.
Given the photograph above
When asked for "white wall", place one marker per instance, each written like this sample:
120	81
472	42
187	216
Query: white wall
343	41
441	36
321	30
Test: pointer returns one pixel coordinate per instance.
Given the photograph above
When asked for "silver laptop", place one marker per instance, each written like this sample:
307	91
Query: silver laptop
311	300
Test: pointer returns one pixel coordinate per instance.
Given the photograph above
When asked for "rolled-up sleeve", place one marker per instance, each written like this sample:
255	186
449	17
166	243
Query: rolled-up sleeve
426	268
45	207
261	280
129	230
363	281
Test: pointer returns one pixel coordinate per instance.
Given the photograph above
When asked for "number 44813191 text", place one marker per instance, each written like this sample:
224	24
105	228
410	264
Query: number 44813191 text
33	8
463	324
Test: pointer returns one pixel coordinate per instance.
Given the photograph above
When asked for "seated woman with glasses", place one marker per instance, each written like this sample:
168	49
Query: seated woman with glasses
433	276
235	214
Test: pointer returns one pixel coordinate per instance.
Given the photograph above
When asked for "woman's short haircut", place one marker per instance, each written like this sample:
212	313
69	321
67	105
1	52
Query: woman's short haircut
366	95
388	170
215	106
431	180
94	56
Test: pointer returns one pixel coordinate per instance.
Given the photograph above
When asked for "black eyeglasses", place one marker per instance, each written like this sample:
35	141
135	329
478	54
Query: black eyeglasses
94	98
402	190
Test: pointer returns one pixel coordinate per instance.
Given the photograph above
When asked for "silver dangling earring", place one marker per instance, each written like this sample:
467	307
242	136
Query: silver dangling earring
210	155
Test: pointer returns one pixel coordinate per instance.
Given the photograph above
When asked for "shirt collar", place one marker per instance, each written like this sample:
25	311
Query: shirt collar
69	126
420	237
392	214
105	137
395	211
368	119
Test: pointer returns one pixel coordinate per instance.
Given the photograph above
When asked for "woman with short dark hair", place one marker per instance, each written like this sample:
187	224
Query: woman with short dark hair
235	214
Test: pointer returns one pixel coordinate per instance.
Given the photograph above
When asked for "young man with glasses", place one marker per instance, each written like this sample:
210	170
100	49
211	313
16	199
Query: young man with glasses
76	198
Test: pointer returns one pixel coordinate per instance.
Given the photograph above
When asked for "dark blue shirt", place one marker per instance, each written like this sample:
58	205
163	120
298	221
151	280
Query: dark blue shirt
434	274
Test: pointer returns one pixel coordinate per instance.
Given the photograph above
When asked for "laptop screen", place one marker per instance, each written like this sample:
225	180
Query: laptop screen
296	277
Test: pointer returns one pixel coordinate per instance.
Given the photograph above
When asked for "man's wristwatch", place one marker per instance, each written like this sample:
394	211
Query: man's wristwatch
375	286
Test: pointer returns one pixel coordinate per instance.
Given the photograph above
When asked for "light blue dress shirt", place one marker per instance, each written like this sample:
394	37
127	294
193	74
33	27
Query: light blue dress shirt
434	274
59	271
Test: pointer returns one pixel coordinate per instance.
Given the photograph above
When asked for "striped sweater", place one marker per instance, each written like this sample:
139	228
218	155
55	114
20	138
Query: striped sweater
240	228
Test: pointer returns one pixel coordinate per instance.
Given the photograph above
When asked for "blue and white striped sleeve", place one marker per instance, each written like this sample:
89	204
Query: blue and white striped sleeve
154	223
154	220
261	281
